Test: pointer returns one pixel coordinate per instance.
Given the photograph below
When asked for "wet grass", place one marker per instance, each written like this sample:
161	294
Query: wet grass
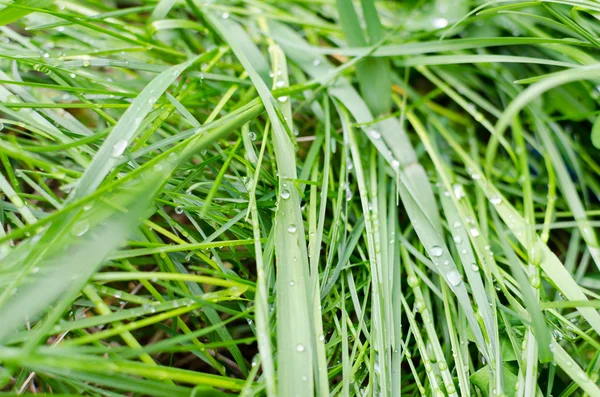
299	198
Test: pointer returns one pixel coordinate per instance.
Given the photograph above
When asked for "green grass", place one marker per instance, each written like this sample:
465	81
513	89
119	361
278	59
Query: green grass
299	198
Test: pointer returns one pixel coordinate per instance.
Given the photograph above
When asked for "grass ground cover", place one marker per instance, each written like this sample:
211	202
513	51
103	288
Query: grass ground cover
299	198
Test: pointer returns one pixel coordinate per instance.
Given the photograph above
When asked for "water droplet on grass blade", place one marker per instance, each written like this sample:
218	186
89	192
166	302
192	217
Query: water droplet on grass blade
374	134
118	148
454	278
496	200
436	251
300	347
80	228
440	23
285	194
292	228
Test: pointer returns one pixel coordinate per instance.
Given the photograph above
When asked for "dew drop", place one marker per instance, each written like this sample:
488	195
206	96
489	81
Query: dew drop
457	239
440	23
292	283
280	83
292	228
454	278
282	99
457	225
179	210
252	135
534	281
412	281
496	200
459	192
80	228
285	194
225	15
374	134
118	148
300	347
474	232
474	267
437	251
17	201
157	167
316	62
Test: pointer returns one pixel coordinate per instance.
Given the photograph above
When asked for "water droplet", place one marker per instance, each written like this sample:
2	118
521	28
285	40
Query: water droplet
534	280
86	63
292	283
475	176
285	194
17	201
280	83
35	270
157	167
316	62
300	347
46	55
225	15
436	251
282	99
179	210
118	148
321	337
457	239
80	228
252	135
496	200
374	134
459	192
454	278
292	228
457	224
412	281
395	164
474	231
439	23
474	267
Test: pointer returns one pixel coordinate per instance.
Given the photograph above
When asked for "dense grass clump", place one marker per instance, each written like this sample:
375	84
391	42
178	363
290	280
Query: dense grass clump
299	198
